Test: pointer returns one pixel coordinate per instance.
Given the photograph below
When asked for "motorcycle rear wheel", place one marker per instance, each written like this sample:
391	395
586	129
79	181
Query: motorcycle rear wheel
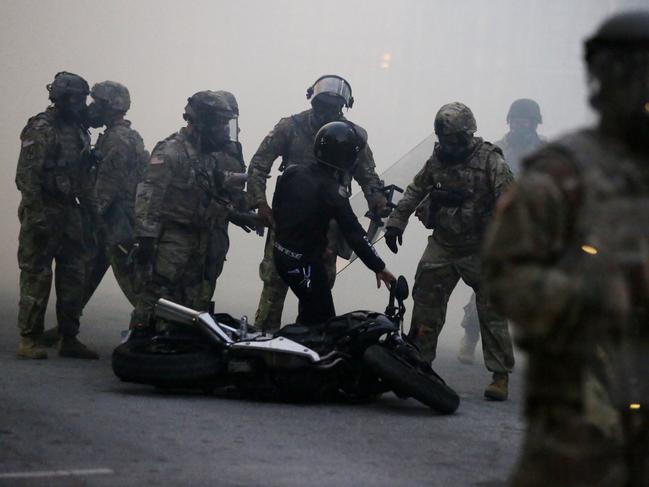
167	364
407	380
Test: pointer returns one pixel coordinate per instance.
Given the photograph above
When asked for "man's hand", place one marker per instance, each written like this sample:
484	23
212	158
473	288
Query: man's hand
266	214
386	277
247	221
392	236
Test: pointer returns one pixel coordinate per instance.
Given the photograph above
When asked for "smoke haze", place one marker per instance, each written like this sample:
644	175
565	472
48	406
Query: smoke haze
403	59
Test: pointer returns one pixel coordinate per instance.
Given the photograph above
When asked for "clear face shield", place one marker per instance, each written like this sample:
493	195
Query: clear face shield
334	86
233	129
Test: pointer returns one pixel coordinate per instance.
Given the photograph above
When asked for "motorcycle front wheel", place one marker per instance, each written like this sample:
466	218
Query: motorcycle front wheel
407	380
167	363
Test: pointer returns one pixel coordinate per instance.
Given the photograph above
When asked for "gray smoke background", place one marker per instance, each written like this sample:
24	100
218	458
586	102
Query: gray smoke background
404	59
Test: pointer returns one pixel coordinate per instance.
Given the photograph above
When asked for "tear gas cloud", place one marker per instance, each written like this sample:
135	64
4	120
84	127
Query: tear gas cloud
403	59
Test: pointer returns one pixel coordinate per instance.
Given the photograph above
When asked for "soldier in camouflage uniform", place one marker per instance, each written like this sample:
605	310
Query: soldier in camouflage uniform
523	118
177	206
51	176
292	139
567	260
232	168
462	180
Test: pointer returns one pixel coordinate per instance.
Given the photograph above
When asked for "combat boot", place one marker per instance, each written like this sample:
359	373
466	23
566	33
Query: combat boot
497	390
466	352
50	337
30	348
73	348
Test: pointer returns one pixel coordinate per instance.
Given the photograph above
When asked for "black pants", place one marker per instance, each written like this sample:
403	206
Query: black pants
309	282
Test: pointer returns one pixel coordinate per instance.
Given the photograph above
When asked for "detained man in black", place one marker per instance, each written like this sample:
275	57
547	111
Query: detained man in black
307	198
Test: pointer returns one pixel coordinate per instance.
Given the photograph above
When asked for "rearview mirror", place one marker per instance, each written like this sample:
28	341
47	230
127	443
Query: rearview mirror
401	291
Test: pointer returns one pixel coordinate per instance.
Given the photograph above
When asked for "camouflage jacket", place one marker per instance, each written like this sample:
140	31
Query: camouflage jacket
292	139
178	188
566	260
121	163
514	150
482	178
52	166
229	162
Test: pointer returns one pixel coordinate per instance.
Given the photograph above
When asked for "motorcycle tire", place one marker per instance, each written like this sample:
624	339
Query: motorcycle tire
167	365
406	380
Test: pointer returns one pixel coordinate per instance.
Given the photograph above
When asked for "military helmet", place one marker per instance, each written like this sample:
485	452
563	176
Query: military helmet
525	108
455	118
622	31
114	95
331	85
66	84
208	107
231	100
337	144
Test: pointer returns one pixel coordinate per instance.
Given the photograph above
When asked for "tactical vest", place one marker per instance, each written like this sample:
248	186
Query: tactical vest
65	169
138	158
299	146
463	226
191	197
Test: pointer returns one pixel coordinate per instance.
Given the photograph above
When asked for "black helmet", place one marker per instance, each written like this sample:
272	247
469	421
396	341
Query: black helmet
66	84
331	86
208	108
622	31
337	145
525	108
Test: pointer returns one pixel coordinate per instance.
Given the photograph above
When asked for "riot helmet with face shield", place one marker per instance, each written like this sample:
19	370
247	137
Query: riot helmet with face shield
328	95
209	113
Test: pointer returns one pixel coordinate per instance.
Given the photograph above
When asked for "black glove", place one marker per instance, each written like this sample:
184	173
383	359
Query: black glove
248	221
392	236
145	250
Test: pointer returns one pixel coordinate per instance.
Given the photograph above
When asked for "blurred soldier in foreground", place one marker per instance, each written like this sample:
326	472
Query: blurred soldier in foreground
523	118
51	176
461	181
568	261
120	160
307	198
292	139
177	207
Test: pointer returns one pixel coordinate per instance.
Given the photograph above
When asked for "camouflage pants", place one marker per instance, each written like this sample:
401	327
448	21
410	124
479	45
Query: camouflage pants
273	294
185	269
470	321
123	271
437	275
43	240
561	449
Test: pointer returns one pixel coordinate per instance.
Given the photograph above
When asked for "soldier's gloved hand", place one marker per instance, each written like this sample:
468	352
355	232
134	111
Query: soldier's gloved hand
378	205
392	236
247	221
145	250
266	214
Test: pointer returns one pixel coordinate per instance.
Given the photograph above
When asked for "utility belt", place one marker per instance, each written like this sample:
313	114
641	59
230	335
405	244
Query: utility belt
287	252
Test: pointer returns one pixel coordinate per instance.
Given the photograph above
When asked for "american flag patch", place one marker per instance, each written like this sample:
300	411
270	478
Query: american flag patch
156	160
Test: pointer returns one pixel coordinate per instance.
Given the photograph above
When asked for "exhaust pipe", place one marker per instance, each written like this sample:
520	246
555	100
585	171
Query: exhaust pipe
170	311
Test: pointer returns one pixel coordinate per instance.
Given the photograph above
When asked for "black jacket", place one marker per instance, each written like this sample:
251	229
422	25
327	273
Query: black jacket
306	199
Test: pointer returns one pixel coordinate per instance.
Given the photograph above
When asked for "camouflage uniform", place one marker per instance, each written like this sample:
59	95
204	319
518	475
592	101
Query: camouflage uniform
175	204
453	250
567	247
513	150
51	175
121	163
292	139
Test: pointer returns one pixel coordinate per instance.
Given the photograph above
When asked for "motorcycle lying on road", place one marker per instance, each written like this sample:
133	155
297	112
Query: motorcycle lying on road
360	355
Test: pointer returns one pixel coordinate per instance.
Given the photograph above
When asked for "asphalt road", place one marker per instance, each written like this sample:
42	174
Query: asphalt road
66	422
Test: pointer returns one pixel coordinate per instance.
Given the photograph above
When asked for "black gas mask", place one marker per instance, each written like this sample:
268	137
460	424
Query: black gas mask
455	147
72	107
97	114
327	108
214	135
